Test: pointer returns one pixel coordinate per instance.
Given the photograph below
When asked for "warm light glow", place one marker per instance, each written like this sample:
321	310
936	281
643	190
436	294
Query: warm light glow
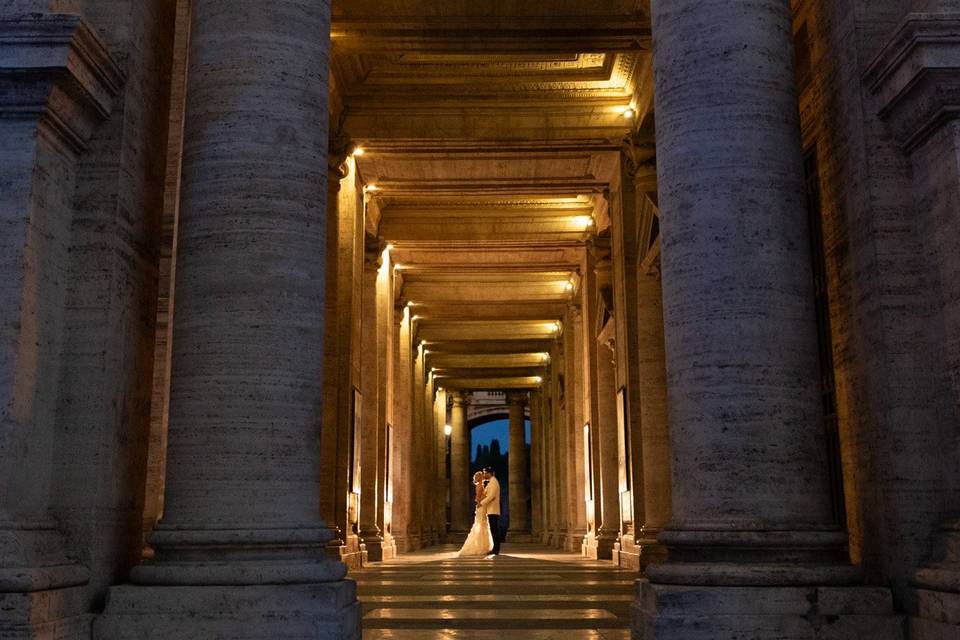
447	430
557	326
569	286
397	267
409	304
426	351
357	152
544	356
423	343
371	187
415	318
389	246
538	379
584	221
629	113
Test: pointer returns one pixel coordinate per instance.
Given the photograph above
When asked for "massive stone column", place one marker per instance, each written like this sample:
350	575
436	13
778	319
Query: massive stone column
751	500
241	534
371	534
539	515
461	490
58	83
654	429
578	521
917	83
441	489
519	470
607	504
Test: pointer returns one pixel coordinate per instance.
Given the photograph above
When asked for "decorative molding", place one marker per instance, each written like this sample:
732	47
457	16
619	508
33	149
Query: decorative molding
916	77
54	68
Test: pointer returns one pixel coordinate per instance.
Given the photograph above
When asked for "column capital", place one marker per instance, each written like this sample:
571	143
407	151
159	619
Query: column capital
516	397
460	398
65	75
638	149
916	77
373	247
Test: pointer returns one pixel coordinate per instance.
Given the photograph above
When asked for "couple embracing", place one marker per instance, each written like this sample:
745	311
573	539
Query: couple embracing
484	538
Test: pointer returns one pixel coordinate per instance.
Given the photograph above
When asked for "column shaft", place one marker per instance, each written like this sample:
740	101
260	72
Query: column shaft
750	481
654	425
371	533
517	467
461	488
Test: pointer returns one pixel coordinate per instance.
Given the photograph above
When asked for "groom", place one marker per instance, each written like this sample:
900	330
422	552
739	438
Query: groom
491	500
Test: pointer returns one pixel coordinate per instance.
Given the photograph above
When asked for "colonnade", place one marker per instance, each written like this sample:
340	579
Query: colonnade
677	426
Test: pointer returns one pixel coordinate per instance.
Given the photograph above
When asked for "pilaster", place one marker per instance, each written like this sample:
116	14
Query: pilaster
57	83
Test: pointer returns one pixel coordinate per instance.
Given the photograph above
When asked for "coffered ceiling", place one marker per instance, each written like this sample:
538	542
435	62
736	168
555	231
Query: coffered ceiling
490	132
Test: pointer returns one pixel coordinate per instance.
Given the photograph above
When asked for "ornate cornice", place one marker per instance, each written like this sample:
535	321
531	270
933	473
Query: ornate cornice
54	68
916	77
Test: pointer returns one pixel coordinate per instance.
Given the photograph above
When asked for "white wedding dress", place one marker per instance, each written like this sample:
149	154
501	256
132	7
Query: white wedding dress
480	541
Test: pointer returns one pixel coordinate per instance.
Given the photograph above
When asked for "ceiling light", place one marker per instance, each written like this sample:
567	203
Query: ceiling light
357	151
584	222
628	113
538	379
371	187
569	286
447	429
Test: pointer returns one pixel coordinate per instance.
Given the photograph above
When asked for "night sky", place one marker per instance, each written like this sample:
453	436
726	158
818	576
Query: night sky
496	430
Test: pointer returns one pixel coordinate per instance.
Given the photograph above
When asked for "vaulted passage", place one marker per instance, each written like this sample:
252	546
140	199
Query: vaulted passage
530	593
266	266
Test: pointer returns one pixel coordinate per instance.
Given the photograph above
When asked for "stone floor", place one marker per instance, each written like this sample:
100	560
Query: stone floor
527	593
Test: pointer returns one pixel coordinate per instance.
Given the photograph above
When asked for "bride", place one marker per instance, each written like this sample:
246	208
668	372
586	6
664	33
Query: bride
480	541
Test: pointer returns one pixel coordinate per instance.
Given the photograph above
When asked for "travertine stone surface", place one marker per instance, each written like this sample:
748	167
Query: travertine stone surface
242	490
746	425
57	82
519	469
654	422
782	613
371	531
461	488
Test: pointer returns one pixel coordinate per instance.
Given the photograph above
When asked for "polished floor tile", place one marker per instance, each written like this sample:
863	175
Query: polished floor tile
527	593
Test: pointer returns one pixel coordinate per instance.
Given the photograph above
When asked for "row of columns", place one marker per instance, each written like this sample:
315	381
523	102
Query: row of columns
749	492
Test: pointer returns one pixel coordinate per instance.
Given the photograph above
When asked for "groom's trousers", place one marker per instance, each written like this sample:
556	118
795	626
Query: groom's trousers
494	520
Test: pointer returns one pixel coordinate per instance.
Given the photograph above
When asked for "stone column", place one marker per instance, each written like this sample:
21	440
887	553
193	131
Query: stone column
371	388
241	533
404	465
607	503
654	429
441	491
461	489
518	468
63	85
751	500
577	523
917	83
538	490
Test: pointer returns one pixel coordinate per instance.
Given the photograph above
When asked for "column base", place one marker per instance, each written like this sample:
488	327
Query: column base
674	612
626	553
51	613
651	551
328	611
379	549
597	547
349	552
938	593
455	537
519	537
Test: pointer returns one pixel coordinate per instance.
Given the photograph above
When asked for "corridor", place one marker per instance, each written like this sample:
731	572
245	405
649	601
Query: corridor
528	593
